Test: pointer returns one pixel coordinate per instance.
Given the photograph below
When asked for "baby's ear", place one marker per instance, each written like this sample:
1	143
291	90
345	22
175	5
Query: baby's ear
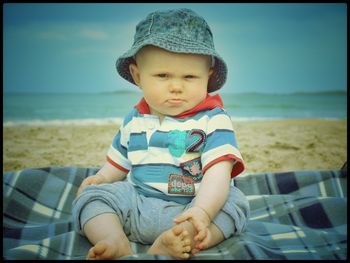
134	71
211	70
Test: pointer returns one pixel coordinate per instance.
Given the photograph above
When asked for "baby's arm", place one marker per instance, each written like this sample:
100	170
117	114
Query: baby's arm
107	174
211	197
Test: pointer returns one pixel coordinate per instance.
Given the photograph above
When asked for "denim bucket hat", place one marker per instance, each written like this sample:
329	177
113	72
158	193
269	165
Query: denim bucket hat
179	31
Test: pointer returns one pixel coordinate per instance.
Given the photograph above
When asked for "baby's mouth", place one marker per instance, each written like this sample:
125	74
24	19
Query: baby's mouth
175	101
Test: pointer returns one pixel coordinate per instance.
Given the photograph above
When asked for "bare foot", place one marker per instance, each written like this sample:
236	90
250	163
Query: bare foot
174	242
107	249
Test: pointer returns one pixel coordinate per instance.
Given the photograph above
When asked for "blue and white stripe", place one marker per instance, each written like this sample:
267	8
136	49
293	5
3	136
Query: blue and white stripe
142	146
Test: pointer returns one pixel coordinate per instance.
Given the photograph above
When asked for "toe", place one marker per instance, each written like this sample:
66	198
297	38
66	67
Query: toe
185	233
187	241
177	230
91	254
185	255
99	248
187	249
92	251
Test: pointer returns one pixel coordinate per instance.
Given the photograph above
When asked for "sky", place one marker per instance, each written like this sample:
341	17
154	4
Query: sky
270	48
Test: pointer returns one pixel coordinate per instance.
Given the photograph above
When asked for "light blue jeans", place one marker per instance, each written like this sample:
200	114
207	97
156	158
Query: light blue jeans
145	218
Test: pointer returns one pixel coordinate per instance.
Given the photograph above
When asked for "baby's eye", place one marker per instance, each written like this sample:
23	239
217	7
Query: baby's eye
162	75
190	77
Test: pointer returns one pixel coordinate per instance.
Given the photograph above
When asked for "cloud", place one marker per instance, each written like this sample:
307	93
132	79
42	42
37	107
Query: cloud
94	34
87	50
81	31
112	40
73	31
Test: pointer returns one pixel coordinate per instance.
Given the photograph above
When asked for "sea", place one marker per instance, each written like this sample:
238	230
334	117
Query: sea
111	107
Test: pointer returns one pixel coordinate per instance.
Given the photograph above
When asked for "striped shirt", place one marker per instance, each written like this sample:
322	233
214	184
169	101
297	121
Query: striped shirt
168	160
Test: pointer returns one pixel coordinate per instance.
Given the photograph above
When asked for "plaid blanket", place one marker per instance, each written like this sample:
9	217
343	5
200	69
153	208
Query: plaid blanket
294	215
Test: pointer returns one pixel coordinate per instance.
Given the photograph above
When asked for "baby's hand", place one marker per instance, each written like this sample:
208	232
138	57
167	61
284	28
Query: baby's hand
94	179
201	222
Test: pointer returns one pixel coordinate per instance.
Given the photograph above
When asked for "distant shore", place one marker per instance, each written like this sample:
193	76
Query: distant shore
119	120
266	145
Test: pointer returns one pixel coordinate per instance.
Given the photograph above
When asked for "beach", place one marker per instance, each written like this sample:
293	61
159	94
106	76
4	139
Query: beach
266	145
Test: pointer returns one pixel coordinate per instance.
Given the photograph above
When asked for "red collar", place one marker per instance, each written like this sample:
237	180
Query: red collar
209	103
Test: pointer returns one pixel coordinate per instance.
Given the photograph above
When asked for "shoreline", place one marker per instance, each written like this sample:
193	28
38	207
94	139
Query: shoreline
266	145
119	120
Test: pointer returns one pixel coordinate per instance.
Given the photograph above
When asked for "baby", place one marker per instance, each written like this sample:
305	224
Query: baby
167	180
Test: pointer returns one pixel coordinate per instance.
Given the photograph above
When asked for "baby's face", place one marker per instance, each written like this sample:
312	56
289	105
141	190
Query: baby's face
172	83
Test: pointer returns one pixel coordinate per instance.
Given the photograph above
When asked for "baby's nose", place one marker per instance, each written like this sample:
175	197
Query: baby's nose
176	86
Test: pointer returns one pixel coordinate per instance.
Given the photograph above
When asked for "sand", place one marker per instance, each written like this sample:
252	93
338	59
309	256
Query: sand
266	146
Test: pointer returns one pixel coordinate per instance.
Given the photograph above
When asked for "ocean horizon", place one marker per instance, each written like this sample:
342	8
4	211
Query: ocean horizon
111	107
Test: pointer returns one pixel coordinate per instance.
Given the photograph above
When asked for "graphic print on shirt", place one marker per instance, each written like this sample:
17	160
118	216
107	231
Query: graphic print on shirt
195	140
186	141
177	140
192	169
179	184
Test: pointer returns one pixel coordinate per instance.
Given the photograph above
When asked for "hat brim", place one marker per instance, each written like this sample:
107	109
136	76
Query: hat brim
216	80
